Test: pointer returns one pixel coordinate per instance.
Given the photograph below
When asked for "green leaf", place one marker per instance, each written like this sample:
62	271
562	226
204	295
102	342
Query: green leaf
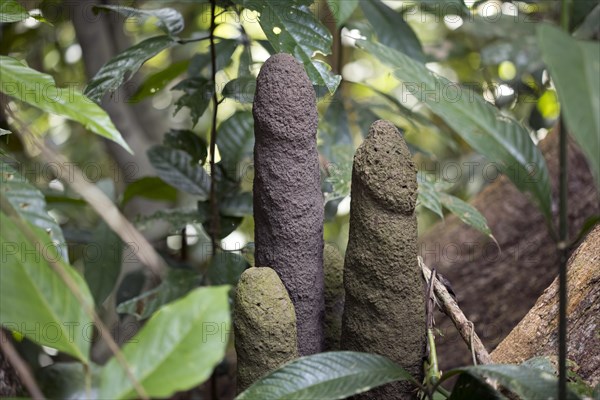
391	29
157	81
342	10
198	93
124	65
188	141
590	26
466	213
575	70
176	350
332	375
149	187
225	268
528	383
224	50
237	205
470	387
246	61
501	139
177	284
30	203
176	168
428	195
241	89
39	90
168	19
34	300
103	262
177	218
235	140
12	11
292	28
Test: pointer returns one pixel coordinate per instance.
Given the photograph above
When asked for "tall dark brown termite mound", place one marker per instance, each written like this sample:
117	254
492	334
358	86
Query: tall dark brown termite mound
288	203
385	308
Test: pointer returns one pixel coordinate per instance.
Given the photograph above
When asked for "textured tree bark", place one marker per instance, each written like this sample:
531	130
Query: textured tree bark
537	333
10	384
496	289
288	203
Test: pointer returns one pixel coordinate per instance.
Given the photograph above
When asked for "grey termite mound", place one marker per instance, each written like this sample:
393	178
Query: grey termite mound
384	307
288	203
264	324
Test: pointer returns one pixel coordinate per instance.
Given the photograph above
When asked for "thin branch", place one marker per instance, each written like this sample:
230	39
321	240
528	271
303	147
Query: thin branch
20	366
450	307
214	208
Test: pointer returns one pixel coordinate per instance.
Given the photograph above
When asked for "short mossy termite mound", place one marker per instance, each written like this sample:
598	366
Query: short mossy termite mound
288	203
264	325
384	310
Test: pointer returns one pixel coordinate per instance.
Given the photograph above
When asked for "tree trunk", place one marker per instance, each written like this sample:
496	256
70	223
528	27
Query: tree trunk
496	288
537	333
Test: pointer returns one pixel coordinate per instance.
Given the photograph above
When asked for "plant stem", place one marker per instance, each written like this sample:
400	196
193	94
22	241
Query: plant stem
565	18
214	209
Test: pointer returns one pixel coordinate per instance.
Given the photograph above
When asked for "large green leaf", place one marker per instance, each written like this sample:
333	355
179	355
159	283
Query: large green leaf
528	383
428	195
197	94
501	139
391	29
466	213
225	268
342	10
157	81
124	65
176	350
188	141
575	69
102	259
178	283
292	28
168	19
235	140
149	187
176	168
30	203
34	300
241	89
469	387
39	90
12	11
332	375
236	204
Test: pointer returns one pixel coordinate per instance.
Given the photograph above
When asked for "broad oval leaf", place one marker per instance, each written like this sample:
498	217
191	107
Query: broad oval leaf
528	383
30	203
333	375
176	168
235	140
149	187
391	29
498	137
198	93
466	213
241	89
102	262
177	349
342	10
157	81
12	11
188	141
168	19
225	268
292	28
20	82
428	195
575	69
113	74
34	299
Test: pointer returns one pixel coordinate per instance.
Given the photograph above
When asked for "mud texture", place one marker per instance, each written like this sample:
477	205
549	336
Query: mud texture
333	265
288	203
384	307
264	325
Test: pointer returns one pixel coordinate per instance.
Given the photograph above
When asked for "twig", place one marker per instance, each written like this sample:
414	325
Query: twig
20	366
449	307
214	209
